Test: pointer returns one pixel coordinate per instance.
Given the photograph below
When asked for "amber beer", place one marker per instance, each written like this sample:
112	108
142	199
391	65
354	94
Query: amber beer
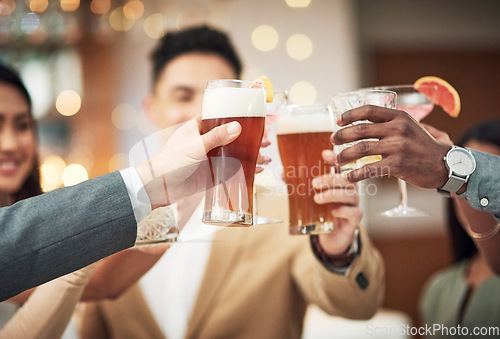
303	133
229	197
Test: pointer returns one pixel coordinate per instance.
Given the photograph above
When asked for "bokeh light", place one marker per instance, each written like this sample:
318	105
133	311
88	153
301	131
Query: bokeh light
69	5
74	174
118	162
68	103
7	7
119	21
38	6
133	10
30	23
299	47
100	6
265	38
298	3
51	172
155	26
302	93
124	117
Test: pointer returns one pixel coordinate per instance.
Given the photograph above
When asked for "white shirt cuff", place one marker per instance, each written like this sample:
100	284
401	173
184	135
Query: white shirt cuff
136	192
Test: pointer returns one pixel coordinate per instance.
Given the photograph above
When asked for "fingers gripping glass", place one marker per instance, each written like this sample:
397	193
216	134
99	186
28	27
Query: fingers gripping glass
418	106
229	199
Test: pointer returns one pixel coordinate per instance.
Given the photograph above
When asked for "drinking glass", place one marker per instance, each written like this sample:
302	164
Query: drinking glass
303	132
418	106
160	226
229	200
343	102
273	109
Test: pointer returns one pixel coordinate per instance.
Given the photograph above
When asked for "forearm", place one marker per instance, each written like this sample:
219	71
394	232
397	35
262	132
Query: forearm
21	298
117	273
48	310
56	233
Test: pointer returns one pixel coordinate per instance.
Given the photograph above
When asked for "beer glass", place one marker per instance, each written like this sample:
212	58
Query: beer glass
229	198
303	132
343	102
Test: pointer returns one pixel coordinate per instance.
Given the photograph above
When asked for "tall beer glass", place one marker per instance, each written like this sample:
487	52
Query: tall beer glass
229	201
303	132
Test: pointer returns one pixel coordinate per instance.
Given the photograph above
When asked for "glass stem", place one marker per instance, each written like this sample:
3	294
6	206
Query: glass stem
403	194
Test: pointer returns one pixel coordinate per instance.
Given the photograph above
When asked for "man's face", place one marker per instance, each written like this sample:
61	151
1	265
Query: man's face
178	94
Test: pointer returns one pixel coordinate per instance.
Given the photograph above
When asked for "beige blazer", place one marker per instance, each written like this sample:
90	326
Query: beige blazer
257	284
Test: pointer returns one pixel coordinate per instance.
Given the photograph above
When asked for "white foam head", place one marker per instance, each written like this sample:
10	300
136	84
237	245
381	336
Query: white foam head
232	102
307	121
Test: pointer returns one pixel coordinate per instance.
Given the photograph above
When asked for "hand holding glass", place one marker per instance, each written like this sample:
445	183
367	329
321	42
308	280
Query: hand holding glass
344	102
303	132
229	197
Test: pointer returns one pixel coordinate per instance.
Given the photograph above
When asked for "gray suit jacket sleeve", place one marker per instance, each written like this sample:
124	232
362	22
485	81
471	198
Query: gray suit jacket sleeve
483	187
53	234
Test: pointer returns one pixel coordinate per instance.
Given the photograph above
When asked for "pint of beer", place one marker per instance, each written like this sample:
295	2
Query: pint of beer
303	132
229	197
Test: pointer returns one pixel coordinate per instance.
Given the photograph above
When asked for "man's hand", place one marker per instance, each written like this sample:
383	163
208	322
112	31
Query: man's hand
336	189
409	152
179	168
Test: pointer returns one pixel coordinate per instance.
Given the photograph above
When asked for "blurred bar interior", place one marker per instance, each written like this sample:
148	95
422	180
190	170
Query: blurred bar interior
86	66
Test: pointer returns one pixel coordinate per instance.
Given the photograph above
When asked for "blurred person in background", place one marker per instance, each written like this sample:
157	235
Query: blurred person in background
468	292
237	283
45	311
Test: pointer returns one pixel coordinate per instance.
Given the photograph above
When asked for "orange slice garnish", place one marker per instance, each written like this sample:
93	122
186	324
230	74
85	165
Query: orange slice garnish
441	93
268	85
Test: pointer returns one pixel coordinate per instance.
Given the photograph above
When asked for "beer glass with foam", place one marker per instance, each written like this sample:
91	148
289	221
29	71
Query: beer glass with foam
303	132
344	102
229	197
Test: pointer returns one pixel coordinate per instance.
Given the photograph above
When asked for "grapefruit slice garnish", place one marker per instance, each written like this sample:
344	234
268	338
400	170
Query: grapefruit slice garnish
268	86
441	93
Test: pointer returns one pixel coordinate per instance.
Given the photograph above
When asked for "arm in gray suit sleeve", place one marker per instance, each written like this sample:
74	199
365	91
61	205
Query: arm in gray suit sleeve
56	233
483	187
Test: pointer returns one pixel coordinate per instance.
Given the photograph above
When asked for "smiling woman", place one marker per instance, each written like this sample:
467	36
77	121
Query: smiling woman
19	174
20	179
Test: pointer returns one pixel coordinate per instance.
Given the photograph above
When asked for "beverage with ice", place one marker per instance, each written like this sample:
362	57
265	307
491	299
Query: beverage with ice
344	102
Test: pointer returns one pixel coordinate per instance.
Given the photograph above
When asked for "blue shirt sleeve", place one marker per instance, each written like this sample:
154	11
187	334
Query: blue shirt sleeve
483	187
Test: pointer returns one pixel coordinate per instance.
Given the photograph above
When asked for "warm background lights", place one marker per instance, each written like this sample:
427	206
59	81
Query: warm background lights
299	47
155	25
74	174
124	117
68	103
302	92
298	3
265	38
70	5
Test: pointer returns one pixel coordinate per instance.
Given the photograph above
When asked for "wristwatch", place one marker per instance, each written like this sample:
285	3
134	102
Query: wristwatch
461	164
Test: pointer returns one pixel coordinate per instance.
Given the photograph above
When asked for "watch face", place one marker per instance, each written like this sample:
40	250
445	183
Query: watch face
461	161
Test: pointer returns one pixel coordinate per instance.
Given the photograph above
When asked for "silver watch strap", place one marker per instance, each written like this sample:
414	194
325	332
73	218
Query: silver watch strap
453	184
